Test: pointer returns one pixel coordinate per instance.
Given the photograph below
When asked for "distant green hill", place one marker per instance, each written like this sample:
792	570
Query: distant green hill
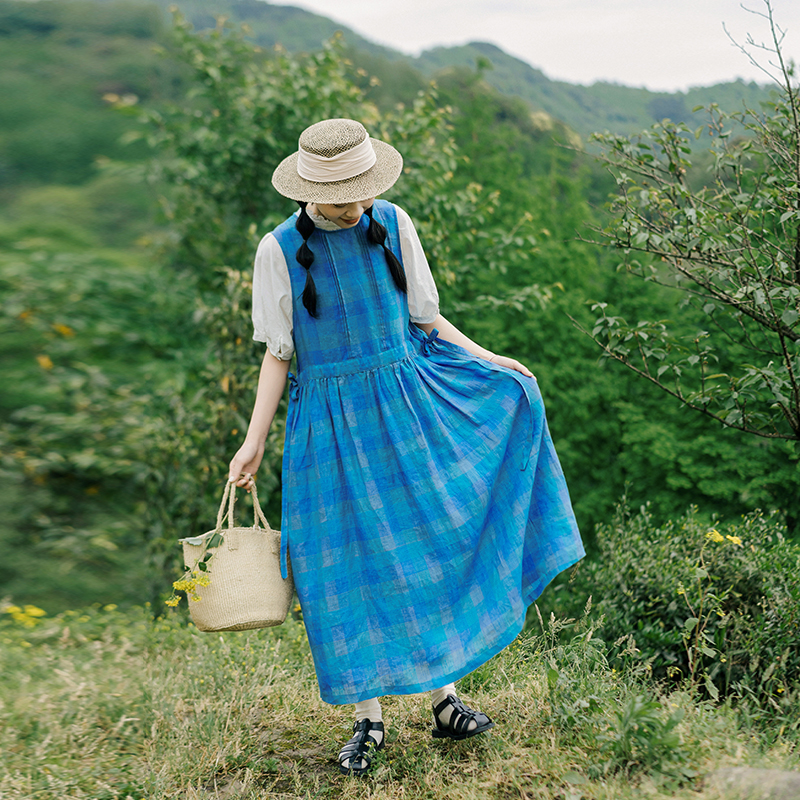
599	107
294	28
59	59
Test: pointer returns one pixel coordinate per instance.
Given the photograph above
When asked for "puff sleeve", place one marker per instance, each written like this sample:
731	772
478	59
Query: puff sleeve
423	298
272	300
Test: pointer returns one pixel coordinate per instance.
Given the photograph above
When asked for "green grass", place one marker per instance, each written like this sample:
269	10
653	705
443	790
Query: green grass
109	705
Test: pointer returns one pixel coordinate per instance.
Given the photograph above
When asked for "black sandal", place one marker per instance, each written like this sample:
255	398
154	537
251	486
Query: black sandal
460	718
361	747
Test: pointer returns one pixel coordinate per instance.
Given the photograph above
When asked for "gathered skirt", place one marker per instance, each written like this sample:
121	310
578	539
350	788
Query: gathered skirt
424	510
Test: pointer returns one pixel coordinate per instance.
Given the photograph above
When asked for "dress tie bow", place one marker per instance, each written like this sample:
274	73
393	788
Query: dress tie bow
428	341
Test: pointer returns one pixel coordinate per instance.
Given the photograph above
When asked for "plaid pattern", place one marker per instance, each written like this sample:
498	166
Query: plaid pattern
423	503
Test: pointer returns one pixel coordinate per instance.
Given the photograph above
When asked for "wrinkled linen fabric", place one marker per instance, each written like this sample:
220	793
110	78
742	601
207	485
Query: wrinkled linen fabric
424	507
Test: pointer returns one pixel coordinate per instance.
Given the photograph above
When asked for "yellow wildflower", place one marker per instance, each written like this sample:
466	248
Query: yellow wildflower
734	540
33	611
173	601
45	362
715	535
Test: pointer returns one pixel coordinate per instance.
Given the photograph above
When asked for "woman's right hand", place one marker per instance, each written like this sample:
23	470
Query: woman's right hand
244	464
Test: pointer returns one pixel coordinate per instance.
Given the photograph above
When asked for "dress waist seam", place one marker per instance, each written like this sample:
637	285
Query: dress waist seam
358	367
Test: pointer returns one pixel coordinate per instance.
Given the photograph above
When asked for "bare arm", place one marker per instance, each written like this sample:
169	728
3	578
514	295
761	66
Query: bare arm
450	333
271	382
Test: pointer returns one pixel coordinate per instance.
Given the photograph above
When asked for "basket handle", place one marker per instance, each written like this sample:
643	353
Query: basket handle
229	497
258	514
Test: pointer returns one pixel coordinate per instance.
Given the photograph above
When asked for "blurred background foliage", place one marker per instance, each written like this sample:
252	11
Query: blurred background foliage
135	157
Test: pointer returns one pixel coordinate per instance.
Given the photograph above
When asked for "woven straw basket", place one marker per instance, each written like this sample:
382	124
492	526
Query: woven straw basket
246	589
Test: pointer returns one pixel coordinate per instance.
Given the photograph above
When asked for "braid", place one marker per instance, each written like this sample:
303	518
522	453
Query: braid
305	227
376	234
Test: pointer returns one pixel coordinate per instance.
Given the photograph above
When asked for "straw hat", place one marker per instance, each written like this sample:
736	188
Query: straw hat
337	162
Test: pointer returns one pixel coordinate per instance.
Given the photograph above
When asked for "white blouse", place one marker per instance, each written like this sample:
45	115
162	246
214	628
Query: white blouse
272	288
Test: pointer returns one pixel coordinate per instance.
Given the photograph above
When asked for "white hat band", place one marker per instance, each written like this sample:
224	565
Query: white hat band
340	167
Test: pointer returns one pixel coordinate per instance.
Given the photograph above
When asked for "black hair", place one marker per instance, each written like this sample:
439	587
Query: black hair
305	258
376	234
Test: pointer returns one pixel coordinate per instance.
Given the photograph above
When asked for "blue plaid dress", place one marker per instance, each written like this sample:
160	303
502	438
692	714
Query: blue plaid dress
424	508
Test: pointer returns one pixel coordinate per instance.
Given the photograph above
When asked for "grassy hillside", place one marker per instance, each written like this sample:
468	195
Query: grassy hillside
58	61
108	705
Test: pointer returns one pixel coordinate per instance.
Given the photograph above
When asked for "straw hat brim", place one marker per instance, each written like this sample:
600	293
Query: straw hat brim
376	180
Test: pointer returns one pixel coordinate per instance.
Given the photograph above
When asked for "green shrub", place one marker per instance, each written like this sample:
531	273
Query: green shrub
95	345
639	736
718	605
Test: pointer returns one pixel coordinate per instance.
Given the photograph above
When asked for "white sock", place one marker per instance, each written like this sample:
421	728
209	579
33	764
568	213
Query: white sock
371	710
438	695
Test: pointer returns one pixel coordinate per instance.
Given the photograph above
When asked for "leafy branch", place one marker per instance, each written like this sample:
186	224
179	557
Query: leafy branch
732	247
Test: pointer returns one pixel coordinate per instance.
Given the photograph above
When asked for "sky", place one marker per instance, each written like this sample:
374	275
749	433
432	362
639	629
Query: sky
664	45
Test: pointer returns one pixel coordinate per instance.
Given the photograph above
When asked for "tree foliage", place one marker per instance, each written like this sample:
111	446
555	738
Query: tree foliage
135	416
218	148
90	340
732	246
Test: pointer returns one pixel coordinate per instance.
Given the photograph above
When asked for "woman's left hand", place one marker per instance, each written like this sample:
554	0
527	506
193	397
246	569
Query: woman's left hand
512	363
